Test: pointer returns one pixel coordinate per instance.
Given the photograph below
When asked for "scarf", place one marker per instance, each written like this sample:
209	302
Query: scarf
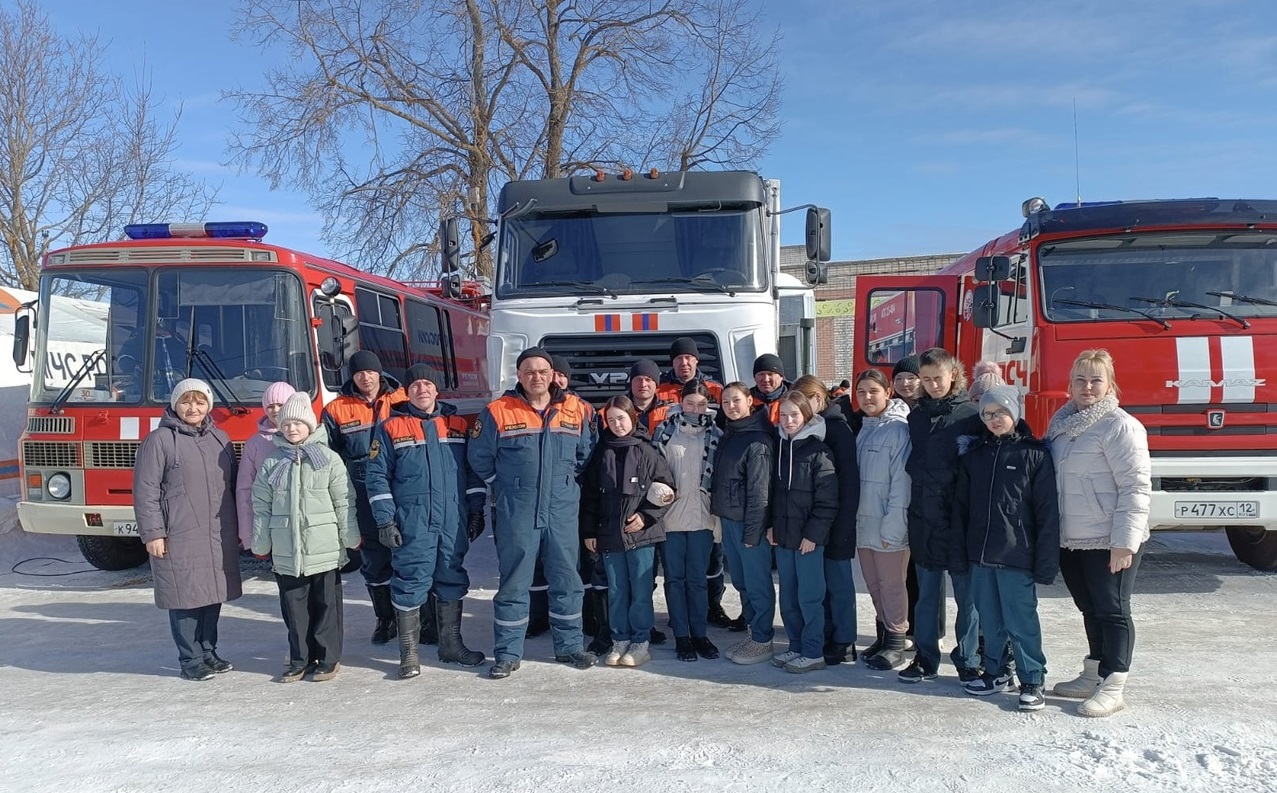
665	432
1073	422
293	455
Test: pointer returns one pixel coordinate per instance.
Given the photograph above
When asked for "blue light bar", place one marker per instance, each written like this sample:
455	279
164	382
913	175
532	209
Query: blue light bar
164	231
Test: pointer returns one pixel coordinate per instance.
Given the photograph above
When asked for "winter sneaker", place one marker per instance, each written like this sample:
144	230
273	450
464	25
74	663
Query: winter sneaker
988	684
200	672
705	648
502	669
219	665
292	673
613	658
752	652
916	672
779	660
657	637
804	664
581	659
1032	696
967	674
325	672
684	649
637	655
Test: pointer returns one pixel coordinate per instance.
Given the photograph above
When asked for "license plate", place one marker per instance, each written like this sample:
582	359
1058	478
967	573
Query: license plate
1217	509
125	528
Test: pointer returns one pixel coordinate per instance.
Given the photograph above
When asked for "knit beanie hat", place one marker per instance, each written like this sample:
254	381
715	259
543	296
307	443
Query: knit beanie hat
533	352
277	393
561	365
298	408
185	387
645	367
982	383
1005	397
909	364
365	361
769	362
684	346
419	371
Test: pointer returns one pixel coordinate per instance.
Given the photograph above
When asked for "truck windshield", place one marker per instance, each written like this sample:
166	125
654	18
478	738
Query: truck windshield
1182	276
637	253
249	330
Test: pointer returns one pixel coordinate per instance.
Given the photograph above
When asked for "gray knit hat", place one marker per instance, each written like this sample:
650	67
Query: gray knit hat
297	408
1005	397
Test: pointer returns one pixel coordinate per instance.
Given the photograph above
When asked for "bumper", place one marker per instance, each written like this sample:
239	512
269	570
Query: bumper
1193	509
40	518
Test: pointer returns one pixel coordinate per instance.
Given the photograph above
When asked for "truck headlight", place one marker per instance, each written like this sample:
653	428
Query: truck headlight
58	486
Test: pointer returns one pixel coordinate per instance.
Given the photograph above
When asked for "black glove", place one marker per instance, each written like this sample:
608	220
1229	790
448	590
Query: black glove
389	535
474	525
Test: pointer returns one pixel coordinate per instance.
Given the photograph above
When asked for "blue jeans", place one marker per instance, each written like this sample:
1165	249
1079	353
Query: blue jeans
802	599
751	570
629	579
840	601
686	590
195	634
1008	604
517	551
926	634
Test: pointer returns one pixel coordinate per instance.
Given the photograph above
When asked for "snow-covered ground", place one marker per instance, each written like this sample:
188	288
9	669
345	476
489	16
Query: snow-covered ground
90	701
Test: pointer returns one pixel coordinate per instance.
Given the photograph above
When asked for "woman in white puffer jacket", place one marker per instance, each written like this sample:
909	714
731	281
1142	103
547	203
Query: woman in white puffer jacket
1104	475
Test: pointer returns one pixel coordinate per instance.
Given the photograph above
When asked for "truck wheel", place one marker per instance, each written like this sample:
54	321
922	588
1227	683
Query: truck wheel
112	553
1254	546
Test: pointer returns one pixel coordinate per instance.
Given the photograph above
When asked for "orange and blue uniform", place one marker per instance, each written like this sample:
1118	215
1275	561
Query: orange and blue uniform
531	458
418	478
670	388
769	402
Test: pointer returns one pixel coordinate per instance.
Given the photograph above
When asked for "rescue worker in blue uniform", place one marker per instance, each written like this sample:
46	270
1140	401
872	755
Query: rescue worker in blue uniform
530	445
365	401
428	505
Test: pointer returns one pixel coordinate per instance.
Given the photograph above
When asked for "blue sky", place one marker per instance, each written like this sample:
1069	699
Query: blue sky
922	124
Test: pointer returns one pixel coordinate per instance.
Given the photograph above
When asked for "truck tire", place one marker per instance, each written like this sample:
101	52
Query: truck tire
1254	546
112	553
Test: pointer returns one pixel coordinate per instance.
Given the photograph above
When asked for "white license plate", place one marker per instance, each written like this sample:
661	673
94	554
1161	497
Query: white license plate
125	528
1217	509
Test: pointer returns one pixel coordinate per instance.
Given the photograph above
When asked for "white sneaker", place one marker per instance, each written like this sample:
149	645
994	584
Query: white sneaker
638	655
753	653
619	649
730	652
779	661
802	664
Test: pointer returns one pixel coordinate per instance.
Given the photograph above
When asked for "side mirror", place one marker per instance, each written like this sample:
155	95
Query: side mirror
985	303
21	341
817	273
450	285
992	268
449	247
818	235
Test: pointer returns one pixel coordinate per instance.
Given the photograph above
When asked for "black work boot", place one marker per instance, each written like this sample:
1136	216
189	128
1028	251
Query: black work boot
873	649
409	624
429	627
384	611
602	643
892	654
452	649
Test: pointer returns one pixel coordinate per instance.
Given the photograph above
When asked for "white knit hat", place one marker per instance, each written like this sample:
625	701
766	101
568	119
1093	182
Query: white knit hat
297	408
185	387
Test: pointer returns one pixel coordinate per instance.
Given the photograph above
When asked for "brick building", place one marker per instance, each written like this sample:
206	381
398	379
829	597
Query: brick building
835	301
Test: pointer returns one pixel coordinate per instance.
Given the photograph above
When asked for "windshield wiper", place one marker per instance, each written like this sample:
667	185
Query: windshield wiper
1259	301
79	375
215	376
598	289
1111	307
699	281
1173	303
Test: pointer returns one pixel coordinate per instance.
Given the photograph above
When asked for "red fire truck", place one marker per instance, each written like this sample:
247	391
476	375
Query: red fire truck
1183	293
118	324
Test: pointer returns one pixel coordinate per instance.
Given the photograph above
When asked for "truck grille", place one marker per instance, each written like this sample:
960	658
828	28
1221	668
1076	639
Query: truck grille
51	425
601	361
111	454
43	454
1215	484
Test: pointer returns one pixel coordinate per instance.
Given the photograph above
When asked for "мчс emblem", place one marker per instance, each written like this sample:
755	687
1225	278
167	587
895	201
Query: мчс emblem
374	450
477	428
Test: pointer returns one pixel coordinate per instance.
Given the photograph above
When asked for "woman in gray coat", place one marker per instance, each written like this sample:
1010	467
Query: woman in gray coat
184	497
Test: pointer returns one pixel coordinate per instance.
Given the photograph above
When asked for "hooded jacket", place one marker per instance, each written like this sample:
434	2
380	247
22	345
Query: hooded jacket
184	493
934	428
842	445
350	420
304	512
882	448
614	487
805	499
1005	508
743	474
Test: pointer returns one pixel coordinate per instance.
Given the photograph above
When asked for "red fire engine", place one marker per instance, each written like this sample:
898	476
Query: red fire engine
118	324
1183	293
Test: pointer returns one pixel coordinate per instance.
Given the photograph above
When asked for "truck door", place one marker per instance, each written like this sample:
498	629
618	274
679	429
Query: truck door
898	316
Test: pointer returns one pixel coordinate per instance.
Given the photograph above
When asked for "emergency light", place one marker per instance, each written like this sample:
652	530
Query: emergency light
164	231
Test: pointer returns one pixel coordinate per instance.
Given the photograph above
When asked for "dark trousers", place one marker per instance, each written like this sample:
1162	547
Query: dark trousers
311	605
376	567
1007	601
686	594
1105	602
195	634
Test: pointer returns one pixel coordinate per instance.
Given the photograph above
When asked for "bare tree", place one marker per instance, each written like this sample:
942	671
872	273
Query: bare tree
80	154
395	112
